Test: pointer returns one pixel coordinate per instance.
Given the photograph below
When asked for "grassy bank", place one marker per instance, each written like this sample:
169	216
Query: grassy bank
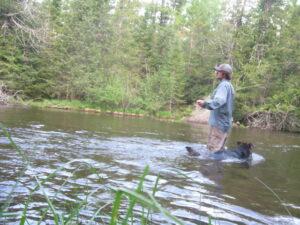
261	119
176	115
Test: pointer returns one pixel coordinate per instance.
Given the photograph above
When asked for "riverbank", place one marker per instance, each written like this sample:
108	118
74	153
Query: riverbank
266	120
174	116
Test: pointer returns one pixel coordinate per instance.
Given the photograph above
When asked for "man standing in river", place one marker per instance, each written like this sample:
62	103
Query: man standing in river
221	106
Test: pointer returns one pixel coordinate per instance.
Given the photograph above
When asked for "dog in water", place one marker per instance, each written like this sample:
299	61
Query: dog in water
242	151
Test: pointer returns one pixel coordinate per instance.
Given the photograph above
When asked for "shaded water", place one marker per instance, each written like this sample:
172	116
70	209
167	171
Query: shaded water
119	148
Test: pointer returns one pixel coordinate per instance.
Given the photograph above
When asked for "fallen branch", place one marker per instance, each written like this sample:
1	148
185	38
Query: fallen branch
273	120
4	97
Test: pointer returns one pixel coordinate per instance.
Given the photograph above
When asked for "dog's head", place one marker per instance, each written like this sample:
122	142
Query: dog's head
245	145
192	152
245	149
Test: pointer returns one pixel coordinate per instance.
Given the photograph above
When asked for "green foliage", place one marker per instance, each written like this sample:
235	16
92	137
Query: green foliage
268	75
154	57
201	46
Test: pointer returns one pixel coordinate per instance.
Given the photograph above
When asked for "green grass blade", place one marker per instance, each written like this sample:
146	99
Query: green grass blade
25	161
55	214
209	220
155	188
273	192
165	212
9	198
98	211
13	144
132	200
75	211
151	203
58	191
82	203
116	207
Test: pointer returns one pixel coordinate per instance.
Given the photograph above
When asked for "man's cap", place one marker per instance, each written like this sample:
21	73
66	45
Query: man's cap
224	68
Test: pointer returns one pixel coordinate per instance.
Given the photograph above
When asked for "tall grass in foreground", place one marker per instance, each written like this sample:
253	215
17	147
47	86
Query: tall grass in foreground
125	197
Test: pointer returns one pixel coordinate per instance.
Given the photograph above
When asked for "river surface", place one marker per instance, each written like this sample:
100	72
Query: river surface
118	149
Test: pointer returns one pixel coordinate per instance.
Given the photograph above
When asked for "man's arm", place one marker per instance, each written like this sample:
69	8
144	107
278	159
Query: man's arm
218	100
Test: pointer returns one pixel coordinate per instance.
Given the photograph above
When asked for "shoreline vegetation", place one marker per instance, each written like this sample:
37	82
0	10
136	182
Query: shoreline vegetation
76	105
188	114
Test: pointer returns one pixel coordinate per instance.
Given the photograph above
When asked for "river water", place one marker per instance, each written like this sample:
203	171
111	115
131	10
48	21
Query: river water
191	188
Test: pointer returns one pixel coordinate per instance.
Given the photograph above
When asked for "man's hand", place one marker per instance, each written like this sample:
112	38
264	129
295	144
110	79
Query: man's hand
200	102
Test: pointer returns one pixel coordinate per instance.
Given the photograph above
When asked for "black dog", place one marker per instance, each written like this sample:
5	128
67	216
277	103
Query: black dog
243	151
191	151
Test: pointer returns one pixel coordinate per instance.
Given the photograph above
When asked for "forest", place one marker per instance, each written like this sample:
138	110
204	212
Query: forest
155	56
